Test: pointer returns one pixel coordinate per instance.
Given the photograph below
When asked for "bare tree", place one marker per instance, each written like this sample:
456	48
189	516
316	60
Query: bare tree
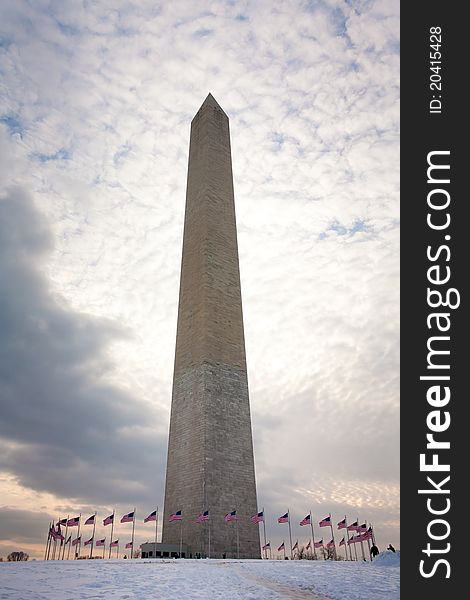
17	556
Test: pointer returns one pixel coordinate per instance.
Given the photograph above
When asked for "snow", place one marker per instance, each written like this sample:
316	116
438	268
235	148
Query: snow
198	579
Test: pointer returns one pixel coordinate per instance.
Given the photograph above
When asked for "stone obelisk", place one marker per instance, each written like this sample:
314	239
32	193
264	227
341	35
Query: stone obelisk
210	450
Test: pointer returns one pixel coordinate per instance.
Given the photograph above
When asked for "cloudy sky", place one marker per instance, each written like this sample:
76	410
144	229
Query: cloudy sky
96	100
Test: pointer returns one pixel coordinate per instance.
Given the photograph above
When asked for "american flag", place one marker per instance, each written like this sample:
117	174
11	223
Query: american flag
100	542
281	547
331	544
108	520
231	516
266	546
342	524
326	522
204	516
69	539
176	516
73	522
58	533
128	518
88	542
53	533
342	542
90	520
362	527
305	521
307	547
129	545
63	522
114	544
258	518
76	541
296	545
152	517
353	526
284	518
318	544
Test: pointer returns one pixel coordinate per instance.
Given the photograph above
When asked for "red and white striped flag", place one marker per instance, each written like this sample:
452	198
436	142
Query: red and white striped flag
281	547
114	544
152	517
258	518
100	542
266	546
76	541
176	516
73	522
330	544
318	544
305	521
108	520
326	522
129	545
128	518
204	516
342	542
342	524
88	542
90	520
284	518
231	516
353	526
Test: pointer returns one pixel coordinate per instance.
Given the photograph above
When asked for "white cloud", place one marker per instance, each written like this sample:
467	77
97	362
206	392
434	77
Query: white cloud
95	112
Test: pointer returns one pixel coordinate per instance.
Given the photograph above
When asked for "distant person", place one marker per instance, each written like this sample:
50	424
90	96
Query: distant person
124	556
374	551
223	555
390	547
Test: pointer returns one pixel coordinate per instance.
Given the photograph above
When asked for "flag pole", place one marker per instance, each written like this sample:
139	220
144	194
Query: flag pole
104	546
368	546
264	527
313	536
333	538
347	535
47	541
133	529
78	535
112	529
68	551
284	548
290	533
209	524
181	536
117	550
238	541
362	545
66	528
156	526
93	536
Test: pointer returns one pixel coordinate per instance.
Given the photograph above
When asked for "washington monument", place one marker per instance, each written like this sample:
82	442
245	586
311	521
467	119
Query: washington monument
210	450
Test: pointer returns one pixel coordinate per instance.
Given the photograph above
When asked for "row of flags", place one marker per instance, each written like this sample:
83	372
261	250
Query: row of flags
363	532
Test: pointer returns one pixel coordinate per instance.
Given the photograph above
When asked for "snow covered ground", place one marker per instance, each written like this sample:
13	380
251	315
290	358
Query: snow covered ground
208	579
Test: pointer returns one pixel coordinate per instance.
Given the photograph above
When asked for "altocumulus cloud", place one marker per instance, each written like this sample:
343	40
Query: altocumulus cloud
94	121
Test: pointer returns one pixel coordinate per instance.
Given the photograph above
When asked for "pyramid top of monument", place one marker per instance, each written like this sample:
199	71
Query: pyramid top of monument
212	102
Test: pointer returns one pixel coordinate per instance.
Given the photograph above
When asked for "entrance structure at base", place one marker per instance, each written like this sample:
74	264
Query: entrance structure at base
210	462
